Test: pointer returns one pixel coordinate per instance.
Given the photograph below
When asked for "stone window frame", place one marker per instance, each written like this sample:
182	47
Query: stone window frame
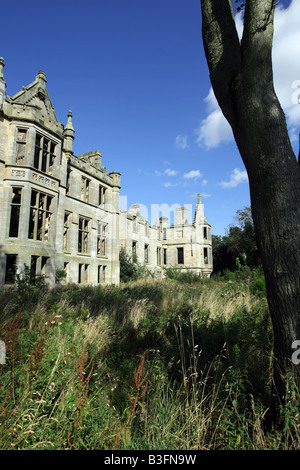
165	256
44	153
146	250
83	234
158	254
180	255
205	255
21	142
15	206
66	237
102	195
102	238
83	273
134	249
40	216
102	269
85	189
10	268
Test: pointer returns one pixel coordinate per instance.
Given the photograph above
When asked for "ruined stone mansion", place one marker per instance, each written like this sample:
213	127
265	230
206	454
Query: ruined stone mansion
61	213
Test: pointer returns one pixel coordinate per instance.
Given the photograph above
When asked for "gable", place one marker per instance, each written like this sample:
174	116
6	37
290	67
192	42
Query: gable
33	103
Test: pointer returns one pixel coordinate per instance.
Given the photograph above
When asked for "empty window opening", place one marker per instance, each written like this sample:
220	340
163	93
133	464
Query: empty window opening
44	265
21	143
68	180
165	255
83	235
102	191
158	252
101	239
40	216
101	274
180	256
15	212
146	253
33	266
83	273
44	154
134	250
85	189
10	269
67	218
67	271
205	254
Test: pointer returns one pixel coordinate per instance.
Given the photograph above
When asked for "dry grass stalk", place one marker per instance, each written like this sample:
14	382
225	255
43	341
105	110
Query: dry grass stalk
140	387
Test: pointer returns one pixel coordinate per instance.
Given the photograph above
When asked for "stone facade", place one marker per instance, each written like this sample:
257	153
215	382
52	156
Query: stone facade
183	245
60	212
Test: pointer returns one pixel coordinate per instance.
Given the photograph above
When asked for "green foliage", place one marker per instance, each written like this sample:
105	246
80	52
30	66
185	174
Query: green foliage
60	275
239	243
131	269
128	269
188	276
26	280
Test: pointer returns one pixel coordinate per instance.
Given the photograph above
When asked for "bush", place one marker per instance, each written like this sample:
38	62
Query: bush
131	269
128	269
177	274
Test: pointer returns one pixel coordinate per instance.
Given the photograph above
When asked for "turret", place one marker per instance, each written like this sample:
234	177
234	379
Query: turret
69	135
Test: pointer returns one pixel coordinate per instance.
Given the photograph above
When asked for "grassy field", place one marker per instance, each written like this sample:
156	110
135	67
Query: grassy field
180	364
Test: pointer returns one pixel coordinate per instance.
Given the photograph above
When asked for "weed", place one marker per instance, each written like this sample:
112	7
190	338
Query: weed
140	386
84	373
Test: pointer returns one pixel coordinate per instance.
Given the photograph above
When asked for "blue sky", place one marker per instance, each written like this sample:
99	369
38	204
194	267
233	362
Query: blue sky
135	76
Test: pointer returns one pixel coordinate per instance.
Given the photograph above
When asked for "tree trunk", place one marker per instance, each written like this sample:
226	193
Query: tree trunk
241	76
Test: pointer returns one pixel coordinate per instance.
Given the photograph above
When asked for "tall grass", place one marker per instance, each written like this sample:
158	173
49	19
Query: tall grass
145	365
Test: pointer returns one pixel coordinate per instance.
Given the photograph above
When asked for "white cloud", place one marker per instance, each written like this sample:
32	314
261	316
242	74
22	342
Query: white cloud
237	177
168	172
214	129
168	184
181	142
192	174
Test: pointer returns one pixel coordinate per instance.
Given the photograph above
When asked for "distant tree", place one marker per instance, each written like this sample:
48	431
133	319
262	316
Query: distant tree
239	242
242	79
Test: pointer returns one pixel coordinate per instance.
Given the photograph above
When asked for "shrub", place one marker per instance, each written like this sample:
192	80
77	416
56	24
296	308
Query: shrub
128	269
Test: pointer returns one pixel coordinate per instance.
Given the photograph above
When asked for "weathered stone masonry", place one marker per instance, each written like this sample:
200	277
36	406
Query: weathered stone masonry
61	212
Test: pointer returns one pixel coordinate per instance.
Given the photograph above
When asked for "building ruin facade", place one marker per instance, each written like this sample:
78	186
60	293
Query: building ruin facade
60	213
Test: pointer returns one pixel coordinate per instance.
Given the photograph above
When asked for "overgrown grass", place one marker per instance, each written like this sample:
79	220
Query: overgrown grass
144	365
